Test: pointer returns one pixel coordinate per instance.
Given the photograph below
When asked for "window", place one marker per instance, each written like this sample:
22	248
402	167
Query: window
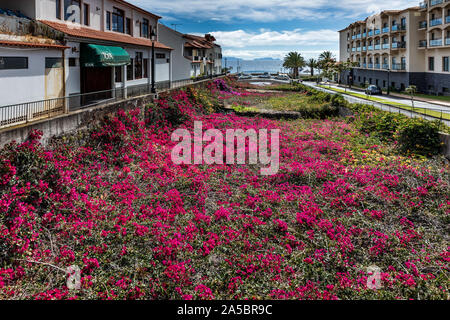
130	70
58	9
145	68
53	63
118	20
86	14
108	20
160	55
138	66
118	74
445	64
72	10
128	26
7	63
431	63
72	62
145	28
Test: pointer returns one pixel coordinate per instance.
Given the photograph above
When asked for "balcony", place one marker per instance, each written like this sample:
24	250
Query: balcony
385	30
436	43
358	36
353	49
423	25
353	37
399	45
358	49
399	66
447	42
447	19
435	22
364	65
423	5
370	48
370	33
364	35
378	47
364	48
370	65
385	66
377	31
435	2
422	43
385	46
377	66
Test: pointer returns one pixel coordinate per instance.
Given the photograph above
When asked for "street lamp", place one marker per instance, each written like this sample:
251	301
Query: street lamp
388	86
153	38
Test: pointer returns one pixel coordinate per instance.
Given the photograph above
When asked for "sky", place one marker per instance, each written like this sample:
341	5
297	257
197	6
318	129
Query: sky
250	29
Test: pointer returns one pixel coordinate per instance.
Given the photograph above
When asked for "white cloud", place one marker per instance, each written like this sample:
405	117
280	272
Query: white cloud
270	53
297	37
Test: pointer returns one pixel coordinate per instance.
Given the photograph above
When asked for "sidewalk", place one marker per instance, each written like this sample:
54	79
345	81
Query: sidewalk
400	95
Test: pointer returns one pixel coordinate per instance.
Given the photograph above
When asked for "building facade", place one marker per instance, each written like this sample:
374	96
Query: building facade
103	45
398	48
204	54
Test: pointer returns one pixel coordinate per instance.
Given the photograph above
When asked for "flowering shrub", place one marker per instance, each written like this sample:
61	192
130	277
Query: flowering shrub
139	227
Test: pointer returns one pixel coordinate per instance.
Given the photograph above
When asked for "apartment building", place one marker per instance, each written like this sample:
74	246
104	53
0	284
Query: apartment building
100	45
398	48
205	55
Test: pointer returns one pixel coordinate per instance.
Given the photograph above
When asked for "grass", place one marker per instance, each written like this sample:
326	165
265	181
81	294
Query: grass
424	111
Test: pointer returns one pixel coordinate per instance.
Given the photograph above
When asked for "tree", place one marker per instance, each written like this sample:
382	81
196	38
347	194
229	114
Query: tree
326	56
294	61
411	90
326	60
342	67
312	63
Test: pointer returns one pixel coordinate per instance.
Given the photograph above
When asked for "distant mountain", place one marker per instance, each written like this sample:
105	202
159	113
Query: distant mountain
258	59
265	59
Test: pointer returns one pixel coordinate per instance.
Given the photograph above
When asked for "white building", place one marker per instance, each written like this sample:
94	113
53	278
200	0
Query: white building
105	45
205	55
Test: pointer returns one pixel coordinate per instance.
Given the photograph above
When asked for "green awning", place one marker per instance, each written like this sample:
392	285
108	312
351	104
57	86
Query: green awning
93	55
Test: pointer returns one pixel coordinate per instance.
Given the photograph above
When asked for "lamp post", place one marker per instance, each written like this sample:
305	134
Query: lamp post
153	38
388	85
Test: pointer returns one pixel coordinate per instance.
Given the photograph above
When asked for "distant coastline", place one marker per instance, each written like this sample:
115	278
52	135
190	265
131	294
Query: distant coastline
254	66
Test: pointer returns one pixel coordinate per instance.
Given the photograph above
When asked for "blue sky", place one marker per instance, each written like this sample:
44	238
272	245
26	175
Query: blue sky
251	29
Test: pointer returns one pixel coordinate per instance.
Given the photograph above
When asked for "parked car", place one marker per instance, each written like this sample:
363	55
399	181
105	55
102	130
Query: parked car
373	90
266	75
245	77
283	77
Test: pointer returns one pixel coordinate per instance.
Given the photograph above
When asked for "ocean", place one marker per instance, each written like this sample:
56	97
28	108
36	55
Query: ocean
255	66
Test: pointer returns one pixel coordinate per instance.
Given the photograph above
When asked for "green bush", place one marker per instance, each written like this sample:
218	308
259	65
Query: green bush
418	136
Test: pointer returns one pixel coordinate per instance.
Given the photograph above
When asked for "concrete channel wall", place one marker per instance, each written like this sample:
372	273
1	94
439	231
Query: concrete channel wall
78	120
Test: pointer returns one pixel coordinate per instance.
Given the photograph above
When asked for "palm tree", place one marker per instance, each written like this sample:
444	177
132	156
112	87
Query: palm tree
326	56
294	61
312	63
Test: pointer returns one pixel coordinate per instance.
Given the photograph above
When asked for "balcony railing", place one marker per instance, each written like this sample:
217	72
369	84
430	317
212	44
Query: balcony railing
353	49
370	48
399	45
436	43
447	42
377	66
364	65
435	22
385	45
385	30
422	43
436	2
423	25
423	5
358	36
447	19
353	37
358	49
370	33
385	66
377	31
364	34
364	48
370	65
378	47
398	66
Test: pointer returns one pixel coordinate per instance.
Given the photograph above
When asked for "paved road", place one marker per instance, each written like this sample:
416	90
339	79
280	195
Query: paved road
417	104
388	108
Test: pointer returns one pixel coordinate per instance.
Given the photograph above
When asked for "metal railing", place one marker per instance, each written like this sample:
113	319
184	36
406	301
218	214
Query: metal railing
436	43
23	113
423	25
435	22
423	44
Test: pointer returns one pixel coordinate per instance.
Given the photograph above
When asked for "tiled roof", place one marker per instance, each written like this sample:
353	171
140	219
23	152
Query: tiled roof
88	33
31	44
198	42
